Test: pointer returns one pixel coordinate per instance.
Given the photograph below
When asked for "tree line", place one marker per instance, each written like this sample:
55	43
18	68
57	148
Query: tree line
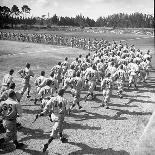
14	16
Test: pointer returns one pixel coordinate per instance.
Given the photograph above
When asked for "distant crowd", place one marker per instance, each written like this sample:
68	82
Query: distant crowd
52	39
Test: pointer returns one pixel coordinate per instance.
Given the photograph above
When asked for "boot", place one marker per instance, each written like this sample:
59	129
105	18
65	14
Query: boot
63	139
18	145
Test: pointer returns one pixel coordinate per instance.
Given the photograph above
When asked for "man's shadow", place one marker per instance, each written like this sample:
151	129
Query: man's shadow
85	149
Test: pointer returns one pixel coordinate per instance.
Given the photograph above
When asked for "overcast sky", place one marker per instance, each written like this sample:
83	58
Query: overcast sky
88	8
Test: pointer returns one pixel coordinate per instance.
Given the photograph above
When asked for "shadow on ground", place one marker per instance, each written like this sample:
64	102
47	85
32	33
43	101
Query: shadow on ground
91	115
85	149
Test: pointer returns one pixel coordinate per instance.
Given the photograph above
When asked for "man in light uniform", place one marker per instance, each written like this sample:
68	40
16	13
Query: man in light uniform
100	69
5	96
46	93
65	66
25	75
56	106
120	76
7	79
9	110
39	83
148	67
57	69
133	70
77	84
91	76
106	85
69	74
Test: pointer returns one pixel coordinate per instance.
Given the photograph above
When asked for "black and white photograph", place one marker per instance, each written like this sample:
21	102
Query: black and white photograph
77	77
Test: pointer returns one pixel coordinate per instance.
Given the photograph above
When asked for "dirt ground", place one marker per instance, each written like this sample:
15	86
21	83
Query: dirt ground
92	130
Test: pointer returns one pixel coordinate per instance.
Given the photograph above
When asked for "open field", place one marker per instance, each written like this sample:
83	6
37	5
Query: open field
107	35
92	130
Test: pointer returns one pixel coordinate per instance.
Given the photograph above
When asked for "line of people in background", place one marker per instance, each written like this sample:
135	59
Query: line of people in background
52	39
110	66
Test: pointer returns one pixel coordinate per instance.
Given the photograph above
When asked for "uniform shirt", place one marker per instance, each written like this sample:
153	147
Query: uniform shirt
41	81
26	74
65	66
75	64
77	83
69	73
65	63
7	79
5	95
57	70
10	108
106	83
147	56
100	67
120	75
91	74
56	105
133	66
148	64
142	65
45	92
54	84
111	70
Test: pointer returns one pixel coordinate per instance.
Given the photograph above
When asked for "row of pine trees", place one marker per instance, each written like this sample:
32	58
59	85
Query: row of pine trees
14	16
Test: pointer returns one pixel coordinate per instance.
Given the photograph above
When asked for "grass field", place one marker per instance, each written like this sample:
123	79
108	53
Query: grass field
93	130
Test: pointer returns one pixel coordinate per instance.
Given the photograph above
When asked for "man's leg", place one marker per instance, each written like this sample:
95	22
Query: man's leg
11	133
22	91
28	91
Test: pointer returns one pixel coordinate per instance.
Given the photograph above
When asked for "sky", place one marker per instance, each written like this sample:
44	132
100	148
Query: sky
88	8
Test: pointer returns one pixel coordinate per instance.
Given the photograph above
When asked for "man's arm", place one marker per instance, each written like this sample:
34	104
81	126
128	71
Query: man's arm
19	110
4	96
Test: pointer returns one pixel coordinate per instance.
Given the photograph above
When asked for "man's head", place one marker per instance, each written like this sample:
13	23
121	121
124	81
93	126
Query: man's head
72	66
42	73
59	63
49	82
11	71
94	67
61	92
28	65
66	58
78	74
12	85
12	94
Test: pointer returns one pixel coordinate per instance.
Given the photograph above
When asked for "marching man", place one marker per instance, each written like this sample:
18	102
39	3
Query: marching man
26	74
10	109
120	76
77	84
91	76
56	106
7	79
39	83
106	85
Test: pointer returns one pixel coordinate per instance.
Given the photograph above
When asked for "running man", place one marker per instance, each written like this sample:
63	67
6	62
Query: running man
26	74
7	79
57	106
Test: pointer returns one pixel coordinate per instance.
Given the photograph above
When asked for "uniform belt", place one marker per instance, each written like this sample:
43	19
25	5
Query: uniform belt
46	98
13	119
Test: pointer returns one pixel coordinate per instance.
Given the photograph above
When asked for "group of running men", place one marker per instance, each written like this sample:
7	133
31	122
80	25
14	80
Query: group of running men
112	65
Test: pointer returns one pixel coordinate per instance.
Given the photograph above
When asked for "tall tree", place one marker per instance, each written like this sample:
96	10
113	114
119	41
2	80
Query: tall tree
25	10
15	11
4	16
55	19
